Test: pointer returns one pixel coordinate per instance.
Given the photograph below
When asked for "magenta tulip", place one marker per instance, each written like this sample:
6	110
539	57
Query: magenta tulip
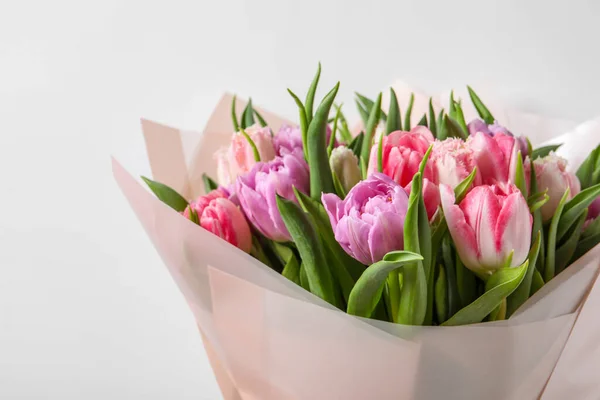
220	216
489	224
369	222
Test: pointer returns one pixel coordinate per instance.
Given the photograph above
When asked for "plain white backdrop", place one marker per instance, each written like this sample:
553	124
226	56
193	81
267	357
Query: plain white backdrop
87	310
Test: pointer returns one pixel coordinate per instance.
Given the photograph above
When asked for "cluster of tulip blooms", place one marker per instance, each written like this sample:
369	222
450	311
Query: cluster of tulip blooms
439	223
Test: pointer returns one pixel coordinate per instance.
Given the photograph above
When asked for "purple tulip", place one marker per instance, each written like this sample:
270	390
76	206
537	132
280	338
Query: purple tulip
369	222
478	125
257	189
288	140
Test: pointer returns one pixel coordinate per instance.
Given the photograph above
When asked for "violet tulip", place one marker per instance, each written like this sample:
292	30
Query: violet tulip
552	175
489	224
369	222
257	189
238	157
220	216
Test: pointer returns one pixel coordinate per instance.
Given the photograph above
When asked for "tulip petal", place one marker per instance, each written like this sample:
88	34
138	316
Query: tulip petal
513	229
382	238
355	232
332	205
489	158
462	234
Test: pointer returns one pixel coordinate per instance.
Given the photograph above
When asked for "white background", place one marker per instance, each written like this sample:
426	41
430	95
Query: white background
87	310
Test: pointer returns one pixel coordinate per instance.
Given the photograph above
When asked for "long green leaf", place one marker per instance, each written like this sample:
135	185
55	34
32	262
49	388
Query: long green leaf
549	269
465	279
368	105
441	295
407	116
423	121
453	129
366	294
303	122
482	110
356	144
442	132
394	121
362	111
586	244
370	128
310	96
252	145
236	125
460	118
461	190
452	287
260	119
432	120
167	195
305	236
537	282
333	133
521	294
321	180
499	286
344	130
247	115
519	177
291	270
543	151
574	207
567	249
586	171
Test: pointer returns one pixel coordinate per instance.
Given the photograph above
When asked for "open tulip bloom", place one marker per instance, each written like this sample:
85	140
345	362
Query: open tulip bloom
440	222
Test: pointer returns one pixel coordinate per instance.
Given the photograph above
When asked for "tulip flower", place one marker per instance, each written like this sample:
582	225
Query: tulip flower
288	140
490	227
369	222
402	153
344	164
453	160
220	216
257	189
495	156
552	175
238	158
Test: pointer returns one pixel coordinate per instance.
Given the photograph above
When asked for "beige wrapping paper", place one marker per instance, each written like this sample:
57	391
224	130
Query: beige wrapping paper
267	338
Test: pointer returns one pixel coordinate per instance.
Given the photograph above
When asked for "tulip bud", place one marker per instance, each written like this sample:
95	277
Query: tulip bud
552	175
344	164
369	222
220	216
489	224
239	158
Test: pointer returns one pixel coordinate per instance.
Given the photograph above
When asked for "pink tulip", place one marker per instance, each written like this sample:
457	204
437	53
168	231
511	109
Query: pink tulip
402	154
552	175
495	156
238	158
489	224
220	216
453	160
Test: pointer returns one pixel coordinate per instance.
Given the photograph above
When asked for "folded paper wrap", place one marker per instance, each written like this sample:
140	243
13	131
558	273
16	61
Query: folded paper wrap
268	339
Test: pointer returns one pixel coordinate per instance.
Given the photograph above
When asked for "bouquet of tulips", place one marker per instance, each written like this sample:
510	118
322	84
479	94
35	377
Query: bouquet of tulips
442	222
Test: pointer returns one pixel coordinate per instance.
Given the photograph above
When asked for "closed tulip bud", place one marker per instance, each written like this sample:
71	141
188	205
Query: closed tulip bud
489	224
552	175
344	164
220	216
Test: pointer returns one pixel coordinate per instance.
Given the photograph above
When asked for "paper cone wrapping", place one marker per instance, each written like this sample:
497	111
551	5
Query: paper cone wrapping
268	338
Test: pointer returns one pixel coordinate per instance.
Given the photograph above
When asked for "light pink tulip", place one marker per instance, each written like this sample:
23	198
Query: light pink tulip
551	174
453	160
495	156
489	224
220	216
238	158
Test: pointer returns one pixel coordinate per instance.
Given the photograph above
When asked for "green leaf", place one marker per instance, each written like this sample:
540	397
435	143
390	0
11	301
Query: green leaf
549	269
537	282
304	278
566	250
482	110
344	130
411	102
460	118
423	121
339	188
586	244
593	228
291	270
252	145
453	129
321	180
441	295
356	144
368	105
394	121
442	132
236	125
452	288
380	154
247	115
260	119
333	133
520	176
461	190
585	173
310	96
452	105
305	236
167	195
193	216
432	120
537	200
370	128
574	207
465	280
544	151
499	286
521	294
366	294
362	110
209	184
303	121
